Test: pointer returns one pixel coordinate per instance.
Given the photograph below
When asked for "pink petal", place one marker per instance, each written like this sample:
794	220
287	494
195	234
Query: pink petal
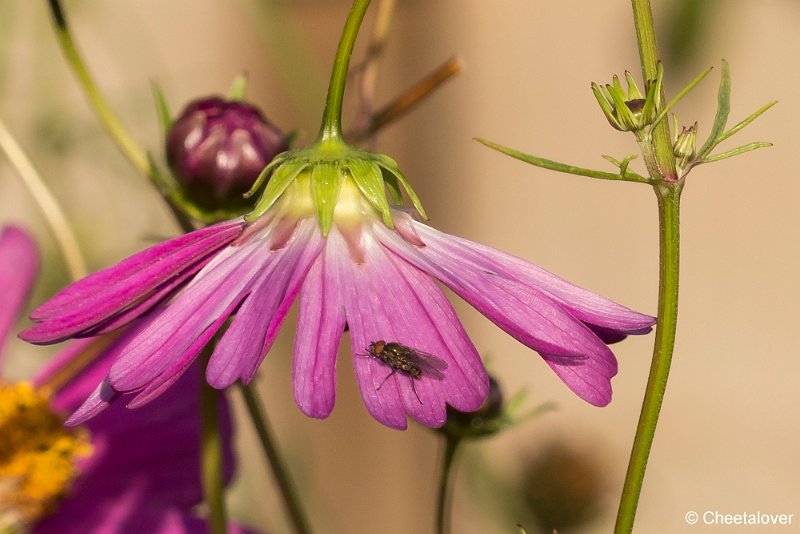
258	320
320	325
19	262
92	300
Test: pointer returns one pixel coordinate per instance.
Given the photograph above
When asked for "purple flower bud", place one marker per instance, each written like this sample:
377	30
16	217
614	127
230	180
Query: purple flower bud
216	149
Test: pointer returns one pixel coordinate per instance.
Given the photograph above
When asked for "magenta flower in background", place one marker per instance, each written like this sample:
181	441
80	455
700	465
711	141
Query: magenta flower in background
323	229
123	471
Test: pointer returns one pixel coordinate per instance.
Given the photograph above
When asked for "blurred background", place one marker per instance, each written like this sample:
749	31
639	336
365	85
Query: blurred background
728	436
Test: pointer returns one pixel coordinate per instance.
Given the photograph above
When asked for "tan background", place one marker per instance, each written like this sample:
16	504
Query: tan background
728	438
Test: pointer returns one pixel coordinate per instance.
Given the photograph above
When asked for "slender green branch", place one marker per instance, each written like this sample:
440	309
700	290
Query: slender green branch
126	144
669	246
129	148
444	500
212	457
332	116
294	509
56	220
624	175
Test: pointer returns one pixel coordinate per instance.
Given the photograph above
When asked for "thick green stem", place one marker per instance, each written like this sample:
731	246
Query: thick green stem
669	245
660	151
211	451
297	516
445	498
331	129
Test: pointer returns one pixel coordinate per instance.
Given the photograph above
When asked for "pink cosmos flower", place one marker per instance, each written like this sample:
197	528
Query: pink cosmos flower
123	471
323	229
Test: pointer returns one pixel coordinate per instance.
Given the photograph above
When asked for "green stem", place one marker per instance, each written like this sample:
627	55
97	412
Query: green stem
110	120
56	220
661	166
292	503
444	501
661	162
211	451
331	129
669	246
129	148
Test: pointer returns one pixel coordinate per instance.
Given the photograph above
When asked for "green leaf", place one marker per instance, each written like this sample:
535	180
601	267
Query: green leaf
326	181
369	179
629	176
744	123
238	87
736	151
680	95
162	109
723	109
283	176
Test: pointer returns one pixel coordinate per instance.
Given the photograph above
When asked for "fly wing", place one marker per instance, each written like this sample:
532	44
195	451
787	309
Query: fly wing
430	365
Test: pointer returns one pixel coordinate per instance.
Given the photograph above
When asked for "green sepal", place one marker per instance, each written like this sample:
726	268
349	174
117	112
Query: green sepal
390	167
723	108
281	178
277	160
162	109
605	106
369	179
633	89
326	181
238	87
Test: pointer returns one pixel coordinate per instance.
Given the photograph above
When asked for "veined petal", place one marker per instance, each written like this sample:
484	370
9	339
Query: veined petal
19	261
100	296
584	305
388	299
524	312
170	337
320	324
258	320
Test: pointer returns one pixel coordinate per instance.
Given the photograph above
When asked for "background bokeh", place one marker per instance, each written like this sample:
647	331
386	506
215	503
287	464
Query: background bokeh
728	436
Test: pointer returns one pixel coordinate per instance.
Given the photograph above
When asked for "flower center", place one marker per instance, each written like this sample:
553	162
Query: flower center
37	456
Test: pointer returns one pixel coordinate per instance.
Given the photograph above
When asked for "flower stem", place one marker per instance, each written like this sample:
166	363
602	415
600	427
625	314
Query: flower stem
661	147
661	166
290	500
332	116
56	220
444	500
669	246
126	144
211	447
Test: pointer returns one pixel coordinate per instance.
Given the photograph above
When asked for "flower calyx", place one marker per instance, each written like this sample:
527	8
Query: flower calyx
630	111
684	147
328	163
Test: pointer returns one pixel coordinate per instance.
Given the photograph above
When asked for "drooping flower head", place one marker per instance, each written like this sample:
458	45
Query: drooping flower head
123	471
324	229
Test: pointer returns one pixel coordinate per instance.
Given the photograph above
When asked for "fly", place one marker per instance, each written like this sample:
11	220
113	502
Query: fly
411	362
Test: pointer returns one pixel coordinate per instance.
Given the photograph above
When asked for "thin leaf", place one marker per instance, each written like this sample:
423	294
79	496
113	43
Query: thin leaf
723	108
629	176
744	123
679	96
162	109
736	151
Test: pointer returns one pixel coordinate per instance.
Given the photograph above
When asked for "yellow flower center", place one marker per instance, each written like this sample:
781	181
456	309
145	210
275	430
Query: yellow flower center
37	456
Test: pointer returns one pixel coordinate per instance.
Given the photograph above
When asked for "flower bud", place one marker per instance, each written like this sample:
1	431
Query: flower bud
485	421
684	146
630	111
217	148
